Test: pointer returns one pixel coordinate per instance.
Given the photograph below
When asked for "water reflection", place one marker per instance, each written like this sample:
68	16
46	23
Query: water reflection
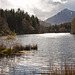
52	48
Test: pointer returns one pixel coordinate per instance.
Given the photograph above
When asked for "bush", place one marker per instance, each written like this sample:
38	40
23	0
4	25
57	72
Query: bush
9	37
34	47
2	47
6	51
27	47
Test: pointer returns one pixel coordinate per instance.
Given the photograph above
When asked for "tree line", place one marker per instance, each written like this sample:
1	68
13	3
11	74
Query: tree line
65	27
20	22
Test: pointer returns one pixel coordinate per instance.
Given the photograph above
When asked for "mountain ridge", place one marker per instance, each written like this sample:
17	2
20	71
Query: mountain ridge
63	16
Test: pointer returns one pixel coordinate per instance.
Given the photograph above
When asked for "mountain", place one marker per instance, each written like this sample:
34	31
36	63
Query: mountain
43	23
65	15
44	26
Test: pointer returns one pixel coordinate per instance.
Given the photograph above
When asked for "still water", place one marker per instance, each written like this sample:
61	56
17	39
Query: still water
52	48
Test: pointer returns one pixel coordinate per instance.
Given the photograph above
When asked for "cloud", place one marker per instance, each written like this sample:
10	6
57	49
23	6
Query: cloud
48	8
70	4
5	4
43	9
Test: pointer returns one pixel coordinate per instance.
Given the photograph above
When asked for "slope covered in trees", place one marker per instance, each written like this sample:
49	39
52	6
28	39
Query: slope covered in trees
73	26
4	29
20	22
65	27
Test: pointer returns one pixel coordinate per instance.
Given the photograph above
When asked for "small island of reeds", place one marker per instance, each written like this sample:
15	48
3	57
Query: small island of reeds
4	51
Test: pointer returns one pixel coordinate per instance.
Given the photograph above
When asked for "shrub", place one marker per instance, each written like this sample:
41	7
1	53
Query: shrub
27	47
34	47
2	47
9	37
6	51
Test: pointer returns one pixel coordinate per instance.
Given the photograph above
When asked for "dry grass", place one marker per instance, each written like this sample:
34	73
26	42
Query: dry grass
66	69
27	47
9	37
15	49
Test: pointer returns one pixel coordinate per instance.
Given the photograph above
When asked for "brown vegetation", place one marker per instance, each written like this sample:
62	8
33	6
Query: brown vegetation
3	26
65	69
19	21
15	49
73	26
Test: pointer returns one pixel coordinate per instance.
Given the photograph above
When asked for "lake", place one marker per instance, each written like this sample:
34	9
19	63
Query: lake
53	48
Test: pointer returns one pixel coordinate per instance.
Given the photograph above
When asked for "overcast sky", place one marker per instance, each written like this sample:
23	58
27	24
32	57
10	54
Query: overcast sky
43	9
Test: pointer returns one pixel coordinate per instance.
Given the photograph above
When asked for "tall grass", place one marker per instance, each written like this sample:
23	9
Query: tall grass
15	49
65	69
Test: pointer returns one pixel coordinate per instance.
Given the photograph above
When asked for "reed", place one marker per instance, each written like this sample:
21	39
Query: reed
15	49
34	47
66	69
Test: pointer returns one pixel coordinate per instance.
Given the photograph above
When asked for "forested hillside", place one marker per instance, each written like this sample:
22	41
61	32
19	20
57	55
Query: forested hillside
20	22
62	28
4	29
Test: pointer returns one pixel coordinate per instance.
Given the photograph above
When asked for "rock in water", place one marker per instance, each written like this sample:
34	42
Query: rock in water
73	26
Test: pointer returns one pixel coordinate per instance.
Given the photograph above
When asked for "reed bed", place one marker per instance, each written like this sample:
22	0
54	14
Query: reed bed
65	69
15	49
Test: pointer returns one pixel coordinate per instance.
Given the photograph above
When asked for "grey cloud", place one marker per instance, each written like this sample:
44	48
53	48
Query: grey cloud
50	7
46	14
54	3
51	2
57	7
64	0
5	4
44	9
41	14
70	5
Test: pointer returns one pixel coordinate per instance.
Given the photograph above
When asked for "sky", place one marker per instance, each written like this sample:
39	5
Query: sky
43	9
